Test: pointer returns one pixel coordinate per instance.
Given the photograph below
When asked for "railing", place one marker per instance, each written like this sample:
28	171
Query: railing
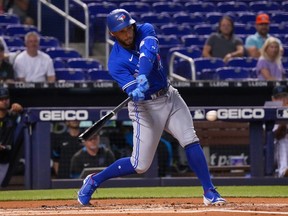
68	18
171	68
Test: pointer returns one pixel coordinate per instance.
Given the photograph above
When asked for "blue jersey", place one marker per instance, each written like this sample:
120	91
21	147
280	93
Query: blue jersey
123	64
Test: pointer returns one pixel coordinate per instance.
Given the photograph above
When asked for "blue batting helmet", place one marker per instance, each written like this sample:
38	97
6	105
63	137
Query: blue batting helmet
119	19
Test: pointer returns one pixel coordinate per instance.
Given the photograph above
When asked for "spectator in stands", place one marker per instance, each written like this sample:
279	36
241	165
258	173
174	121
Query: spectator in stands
93	154
269	65
6	69
64	146
224	44
9	146
33	65
280	93
254	43
21	9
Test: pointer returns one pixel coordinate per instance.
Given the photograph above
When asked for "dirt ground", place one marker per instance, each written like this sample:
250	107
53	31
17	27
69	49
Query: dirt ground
149	207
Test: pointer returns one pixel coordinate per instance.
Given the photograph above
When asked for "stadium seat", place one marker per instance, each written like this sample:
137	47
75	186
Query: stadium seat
284	6
245	62
84	63
167	6
207	63
232	73
264	6
188	18
136	7
49	42
276	28
95	74
285	47
13	42
156	19
64	53
246	18
19	30
70	74
8	19
176	29
197	40
59	63
232	6
279	17
192	51
213	17
244	29
204	7
204	29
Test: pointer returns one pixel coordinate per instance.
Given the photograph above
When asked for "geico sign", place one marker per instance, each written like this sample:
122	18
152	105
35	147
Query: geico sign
245	113
59	115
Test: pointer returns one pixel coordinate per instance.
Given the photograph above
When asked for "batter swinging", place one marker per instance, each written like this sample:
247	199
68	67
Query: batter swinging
135	64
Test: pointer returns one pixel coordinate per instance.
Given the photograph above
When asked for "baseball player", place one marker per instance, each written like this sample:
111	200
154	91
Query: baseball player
135	64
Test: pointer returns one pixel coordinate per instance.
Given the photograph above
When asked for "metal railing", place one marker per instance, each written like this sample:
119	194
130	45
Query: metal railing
171	68
68	18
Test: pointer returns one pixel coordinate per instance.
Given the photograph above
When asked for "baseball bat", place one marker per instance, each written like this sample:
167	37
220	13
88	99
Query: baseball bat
96	127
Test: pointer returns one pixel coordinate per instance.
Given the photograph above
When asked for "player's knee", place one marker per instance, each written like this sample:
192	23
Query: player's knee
141	170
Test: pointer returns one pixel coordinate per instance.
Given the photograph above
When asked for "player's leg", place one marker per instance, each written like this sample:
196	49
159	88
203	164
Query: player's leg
181	127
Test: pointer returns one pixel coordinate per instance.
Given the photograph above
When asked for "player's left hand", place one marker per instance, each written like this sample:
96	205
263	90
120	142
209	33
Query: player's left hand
143	84
137	95
16	108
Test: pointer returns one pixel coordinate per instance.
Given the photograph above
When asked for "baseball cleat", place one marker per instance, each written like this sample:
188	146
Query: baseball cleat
86	191
212	197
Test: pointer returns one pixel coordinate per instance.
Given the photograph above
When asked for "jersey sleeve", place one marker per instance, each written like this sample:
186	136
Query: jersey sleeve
250	42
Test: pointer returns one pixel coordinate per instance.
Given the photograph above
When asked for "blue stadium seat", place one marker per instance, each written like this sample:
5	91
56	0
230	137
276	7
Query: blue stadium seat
284	6
213	17
232	6
264	6
285	47
84	63
232	73
204	29
64	53
204	7
196	40
246	18
59	63
276	28
49	42
245	62
13	42
156	19
279	17
207	63
96	74
70	74
167	6
244	29
136	7
8	19
176	29
192	51
19	30
188	18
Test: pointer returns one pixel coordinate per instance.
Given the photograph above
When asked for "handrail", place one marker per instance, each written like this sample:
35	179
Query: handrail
185	57
67	17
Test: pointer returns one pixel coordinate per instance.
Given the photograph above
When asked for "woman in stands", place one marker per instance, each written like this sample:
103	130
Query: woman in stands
269	65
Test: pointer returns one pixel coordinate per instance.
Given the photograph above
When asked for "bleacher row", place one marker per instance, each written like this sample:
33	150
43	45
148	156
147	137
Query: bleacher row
182	26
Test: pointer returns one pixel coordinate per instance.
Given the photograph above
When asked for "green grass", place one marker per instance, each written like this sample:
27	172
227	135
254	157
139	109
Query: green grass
146	192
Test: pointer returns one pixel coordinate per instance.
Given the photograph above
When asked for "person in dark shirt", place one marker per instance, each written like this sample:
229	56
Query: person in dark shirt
93	154
64	146
6	69
9	118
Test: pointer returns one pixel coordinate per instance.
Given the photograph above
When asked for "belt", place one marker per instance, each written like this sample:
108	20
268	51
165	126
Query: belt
159	93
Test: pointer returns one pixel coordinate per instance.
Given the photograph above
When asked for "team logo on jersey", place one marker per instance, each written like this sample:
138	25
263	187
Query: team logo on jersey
121	18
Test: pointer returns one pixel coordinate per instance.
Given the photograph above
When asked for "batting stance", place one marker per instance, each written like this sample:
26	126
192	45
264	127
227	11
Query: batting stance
135	64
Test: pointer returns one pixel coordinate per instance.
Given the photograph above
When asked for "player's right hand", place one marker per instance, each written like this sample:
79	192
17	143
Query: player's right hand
137	95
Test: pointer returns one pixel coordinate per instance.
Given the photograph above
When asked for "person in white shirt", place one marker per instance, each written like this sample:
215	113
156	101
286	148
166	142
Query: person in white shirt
33	65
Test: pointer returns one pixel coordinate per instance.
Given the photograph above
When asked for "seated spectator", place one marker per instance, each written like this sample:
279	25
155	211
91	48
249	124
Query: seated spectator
64	146
224	44
280	93
93	154
254	43
33	65
9	146
6	69
20	8
269	65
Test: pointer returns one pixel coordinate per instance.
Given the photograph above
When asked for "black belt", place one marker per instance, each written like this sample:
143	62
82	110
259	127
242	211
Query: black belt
159	93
